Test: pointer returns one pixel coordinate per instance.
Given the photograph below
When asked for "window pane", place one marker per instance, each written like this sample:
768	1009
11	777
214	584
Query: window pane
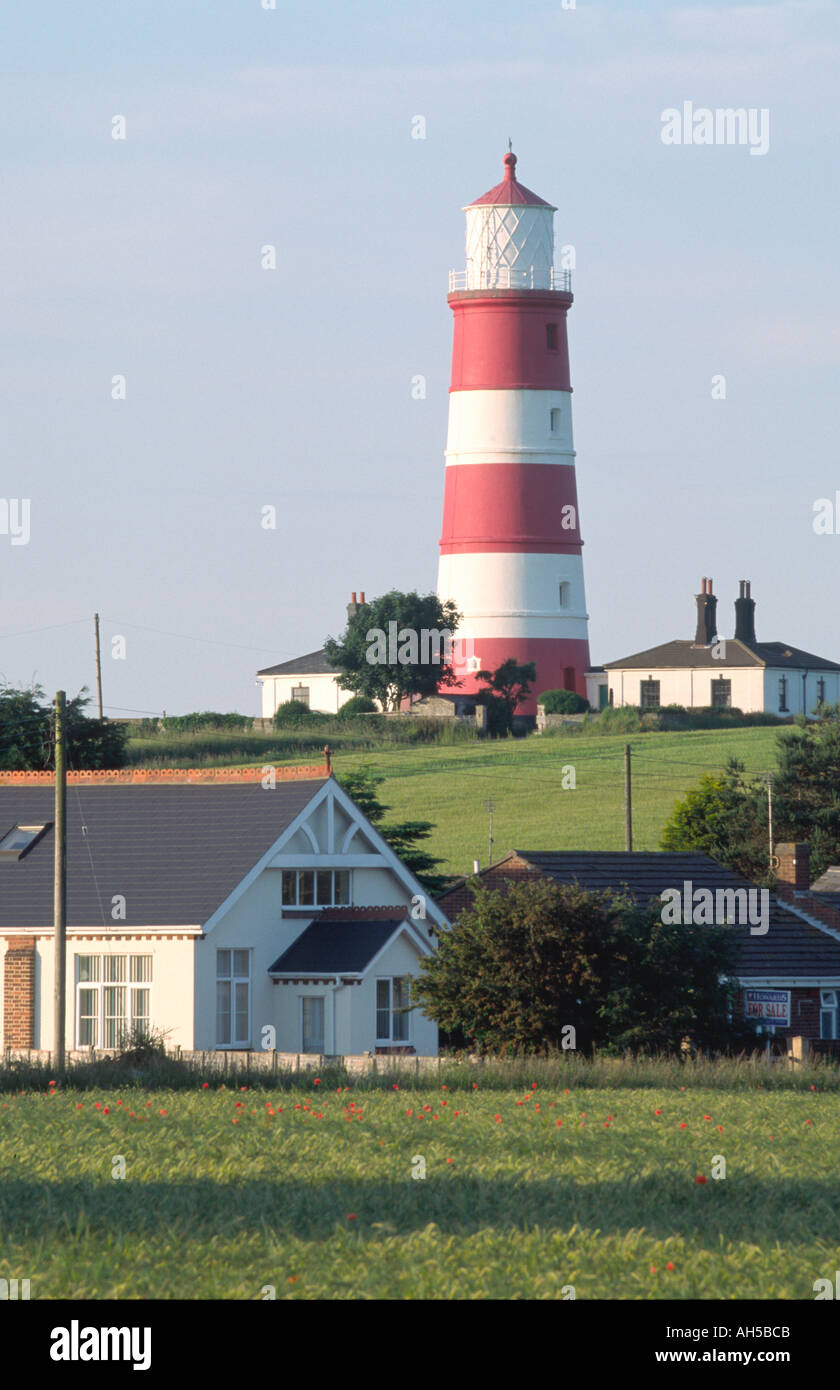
289	887
114	968
313	1023
342	887
223	965
115	1020
401	1016
140	1010
141	968
383	1009
240	965
325	887
222	1012
241	1022
88	1017
306	887
88	968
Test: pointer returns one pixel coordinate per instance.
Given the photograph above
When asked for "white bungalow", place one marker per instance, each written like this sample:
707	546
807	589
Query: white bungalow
230	910
725	673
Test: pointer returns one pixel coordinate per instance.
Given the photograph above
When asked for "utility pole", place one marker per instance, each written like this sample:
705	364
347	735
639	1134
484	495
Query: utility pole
628	802
490	807
770	815
60	889
98	664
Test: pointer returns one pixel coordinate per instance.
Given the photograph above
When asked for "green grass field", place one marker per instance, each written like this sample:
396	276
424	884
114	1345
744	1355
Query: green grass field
524	779
310	1192
450	783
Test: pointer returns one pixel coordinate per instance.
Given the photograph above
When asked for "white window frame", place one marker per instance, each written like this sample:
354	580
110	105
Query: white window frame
133	1015
232	979
315	905
390	980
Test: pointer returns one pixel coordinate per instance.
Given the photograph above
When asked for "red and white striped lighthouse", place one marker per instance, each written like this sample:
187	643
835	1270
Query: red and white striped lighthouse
510	552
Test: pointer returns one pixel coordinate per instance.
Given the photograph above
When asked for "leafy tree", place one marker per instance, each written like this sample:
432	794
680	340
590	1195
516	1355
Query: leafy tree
806	788
506	688
384	654
526	962
403	837
27	733
726	815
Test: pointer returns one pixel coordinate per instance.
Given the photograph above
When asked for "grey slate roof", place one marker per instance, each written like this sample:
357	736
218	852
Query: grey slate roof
313	664
174	852
791	947
679	655
330	948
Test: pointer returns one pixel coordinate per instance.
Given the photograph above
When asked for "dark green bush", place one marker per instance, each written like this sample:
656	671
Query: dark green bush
291	712
357	704
563	702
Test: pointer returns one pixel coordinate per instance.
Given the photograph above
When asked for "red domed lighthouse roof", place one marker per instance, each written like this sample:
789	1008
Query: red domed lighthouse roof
511	193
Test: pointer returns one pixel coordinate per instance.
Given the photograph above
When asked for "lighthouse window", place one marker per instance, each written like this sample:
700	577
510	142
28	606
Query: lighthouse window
555	422
551	336
564	595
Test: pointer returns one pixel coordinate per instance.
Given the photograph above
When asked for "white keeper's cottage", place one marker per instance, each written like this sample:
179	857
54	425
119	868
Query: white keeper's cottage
725	673
227	911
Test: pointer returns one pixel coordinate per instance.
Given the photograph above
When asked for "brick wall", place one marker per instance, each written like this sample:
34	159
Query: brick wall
19	992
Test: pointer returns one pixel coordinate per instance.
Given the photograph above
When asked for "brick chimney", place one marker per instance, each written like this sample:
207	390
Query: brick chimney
794	866
353	607
745	615
706	615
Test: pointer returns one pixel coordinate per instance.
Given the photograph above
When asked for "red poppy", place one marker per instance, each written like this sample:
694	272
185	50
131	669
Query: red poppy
653	1269
559	1123
163	1112
657	1112
498	1119
701	1177
450	1160
683	1125
351	1216
205	1085
107	1110
317	1081
669	1265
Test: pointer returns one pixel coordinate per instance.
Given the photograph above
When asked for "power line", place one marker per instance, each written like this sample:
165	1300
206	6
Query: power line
188	637
26	632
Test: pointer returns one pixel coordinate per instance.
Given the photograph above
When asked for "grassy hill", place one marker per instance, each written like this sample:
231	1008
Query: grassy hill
524	777
450	783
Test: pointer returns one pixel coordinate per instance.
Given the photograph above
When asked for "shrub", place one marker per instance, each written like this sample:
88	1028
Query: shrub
291	712
357	704
562	702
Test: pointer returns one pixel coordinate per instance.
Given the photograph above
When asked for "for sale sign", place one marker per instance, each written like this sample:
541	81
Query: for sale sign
768	1006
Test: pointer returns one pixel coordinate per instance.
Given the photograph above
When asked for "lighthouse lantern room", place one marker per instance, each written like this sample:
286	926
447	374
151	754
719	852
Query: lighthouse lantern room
510	551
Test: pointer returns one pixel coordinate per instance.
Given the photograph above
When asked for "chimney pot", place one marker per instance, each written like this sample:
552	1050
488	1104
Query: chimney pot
362	596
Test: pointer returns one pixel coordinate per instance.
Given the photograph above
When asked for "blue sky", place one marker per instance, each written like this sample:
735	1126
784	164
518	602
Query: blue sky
292	388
